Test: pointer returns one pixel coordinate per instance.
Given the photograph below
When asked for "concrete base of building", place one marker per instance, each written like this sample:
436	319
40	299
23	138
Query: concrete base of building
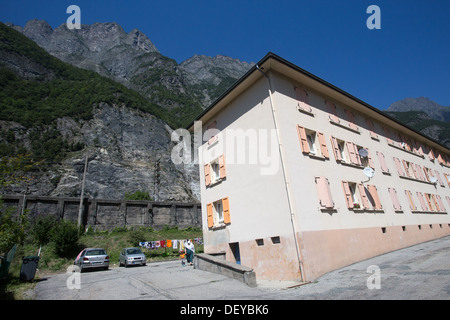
276	258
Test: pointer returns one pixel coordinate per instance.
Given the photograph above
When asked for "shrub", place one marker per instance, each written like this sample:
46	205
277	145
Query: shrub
41	230
65	237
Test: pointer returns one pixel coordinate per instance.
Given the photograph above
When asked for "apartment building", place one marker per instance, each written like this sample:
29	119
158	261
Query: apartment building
298	177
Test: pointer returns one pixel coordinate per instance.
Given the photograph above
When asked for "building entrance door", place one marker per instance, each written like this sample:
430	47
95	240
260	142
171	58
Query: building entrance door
234	247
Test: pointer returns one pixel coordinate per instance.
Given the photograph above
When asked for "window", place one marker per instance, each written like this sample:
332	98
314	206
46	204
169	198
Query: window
353	195
302	100
332	110
371	126
218	213
323	190
312	142
215	171
357	196
351	120
218	210
349	153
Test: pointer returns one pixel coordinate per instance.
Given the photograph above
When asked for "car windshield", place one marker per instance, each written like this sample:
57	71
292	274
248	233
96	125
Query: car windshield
96	252
134	251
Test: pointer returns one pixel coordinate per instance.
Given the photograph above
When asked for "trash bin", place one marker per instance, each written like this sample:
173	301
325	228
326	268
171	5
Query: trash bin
28	269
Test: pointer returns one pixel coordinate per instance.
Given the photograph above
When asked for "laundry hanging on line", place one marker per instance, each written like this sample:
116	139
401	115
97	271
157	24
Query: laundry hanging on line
168	243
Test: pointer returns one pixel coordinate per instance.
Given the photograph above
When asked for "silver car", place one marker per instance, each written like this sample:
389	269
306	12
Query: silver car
132	256
92	258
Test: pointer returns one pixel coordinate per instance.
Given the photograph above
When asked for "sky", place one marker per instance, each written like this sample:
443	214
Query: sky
409	56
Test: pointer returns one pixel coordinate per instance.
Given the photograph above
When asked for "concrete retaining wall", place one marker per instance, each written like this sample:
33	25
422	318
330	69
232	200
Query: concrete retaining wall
218	265
105	214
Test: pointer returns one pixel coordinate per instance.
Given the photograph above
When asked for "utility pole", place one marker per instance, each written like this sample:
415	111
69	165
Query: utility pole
80	210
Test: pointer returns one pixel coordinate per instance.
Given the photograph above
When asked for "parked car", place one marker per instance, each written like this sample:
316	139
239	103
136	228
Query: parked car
92	258
132	256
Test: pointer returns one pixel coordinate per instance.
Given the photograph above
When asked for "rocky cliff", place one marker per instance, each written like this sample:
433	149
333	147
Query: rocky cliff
60	114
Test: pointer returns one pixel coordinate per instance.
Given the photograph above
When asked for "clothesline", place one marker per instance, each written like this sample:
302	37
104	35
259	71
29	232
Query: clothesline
168	243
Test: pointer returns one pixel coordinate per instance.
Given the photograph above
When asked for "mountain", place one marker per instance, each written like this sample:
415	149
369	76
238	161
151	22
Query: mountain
133	60
61	114
431	108
424	115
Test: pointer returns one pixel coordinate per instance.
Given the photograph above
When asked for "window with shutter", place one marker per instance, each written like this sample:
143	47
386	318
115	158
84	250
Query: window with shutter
422	201
382	159
371	127
410	199
351	120
399	167
324	192
302	99
332	110
312	143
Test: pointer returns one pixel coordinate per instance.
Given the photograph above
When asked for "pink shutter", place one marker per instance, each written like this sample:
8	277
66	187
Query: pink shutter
399	167
394	198
414	169
303	139
448	199
352	153
383	164
374	194
348	195
222	168
438	176
410	199
436	203
425	171
422	201
337	152
323	189
363	195
323	145
420	172
446	177
302	99
351	119
370	160
441	204
332	110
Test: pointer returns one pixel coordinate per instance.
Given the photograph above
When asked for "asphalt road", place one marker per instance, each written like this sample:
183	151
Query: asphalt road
418	272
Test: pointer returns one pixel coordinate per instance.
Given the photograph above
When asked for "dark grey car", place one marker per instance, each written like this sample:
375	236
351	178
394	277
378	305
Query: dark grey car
92	258
132	256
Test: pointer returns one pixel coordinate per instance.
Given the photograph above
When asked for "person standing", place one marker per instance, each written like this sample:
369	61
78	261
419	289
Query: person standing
190	250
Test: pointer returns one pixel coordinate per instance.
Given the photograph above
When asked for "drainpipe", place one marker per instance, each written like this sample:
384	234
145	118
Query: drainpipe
285	175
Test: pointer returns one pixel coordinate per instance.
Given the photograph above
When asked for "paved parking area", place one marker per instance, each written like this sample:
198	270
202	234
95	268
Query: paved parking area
418	272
